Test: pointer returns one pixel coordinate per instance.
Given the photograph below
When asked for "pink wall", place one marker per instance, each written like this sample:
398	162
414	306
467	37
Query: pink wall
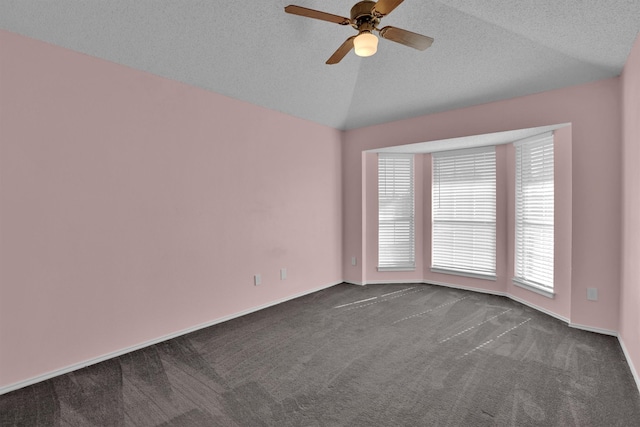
630	289
591	256
133	207
119	223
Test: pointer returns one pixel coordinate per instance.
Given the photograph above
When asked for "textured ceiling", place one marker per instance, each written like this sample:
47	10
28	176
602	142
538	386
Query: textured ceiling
251	50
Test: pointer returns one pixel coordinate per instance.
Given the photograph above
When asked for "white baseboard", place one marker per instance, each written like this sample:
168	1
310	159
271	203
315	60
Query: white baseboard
465	288
627	356
393	282
538	308
84	364
351	282
593	329
428	282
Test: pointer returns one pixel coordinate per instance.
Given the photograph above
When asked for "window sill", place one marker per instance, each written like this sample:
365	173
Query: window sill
533	288
396	269
464	273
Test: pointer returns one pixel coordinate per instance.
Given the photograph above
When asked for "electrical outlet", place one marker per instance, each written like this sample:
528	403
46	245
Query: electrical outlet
257	280
354	260
283	273
592	294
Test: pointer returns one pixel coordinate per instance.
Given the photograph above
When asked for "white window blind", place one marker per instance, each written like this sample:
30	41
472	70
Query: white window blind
534	213
396	223
464	212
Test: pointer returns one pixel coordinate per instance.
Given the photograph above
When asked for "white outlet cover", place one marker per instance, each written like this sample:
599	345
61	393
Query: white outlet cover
257	279
592	294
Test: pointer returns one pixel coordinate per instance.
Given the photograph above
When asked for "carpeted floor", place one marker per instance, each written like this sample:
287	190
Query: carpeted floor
380	355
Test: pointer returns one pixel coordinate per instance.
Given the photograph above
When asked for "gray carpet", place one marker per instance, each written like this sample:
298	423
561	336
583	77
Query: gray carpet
380	355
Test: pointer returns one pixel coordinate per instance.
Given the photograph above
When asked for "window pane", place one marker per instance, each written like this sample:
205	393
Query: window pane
534	213
396	225
464	211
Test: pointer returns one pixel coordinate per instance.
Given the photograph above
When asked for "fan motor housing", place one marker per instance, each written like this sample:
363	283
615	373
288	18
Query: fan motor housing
361	13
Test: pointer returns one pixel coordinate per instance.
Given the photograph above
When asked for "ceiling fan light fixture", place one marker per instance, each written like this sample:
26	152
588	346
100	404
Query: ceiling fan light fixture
366	44
365	17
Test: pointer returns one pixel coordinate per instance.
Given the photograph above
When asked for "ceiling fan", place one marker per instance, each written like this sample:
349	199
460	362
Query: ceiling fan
365	16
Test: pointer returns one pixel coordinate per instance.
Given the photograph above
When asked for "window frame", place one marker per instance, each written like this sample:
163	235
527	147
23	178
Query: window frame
403	179
485	265
544	145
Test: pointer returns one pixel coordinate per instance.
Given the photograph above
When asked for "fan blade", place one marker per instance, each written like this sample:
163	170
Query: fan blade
342	51
316	14
385	7
407	38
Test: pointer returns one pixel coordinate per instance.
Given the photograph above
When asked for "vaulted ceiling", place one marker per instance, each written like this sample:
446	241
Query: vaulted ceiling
252	50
